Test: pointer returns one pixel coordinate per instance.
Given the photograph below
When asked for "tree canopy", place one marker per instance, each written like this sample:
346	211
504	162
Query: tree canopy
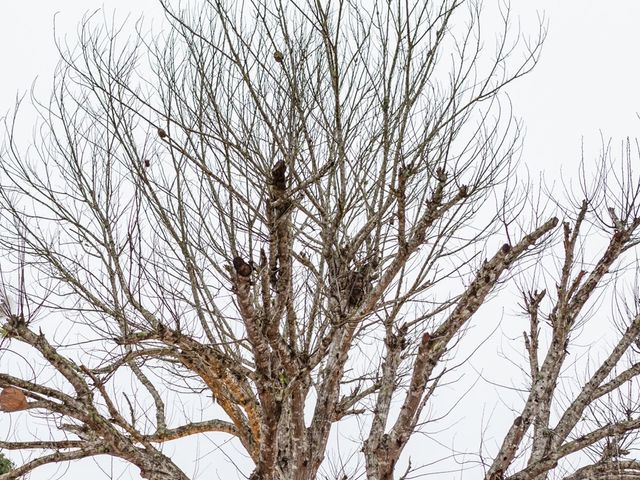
273	219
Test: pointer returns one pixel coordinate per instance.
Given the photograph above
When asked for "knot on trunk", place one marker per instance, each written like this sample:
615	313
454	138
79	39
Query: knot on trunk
355	284
242	268
356	288
279	175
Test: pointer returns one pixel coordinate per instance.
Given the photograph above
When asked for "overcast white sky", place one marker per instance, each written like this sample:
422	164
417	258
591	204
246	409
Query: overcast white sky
587	82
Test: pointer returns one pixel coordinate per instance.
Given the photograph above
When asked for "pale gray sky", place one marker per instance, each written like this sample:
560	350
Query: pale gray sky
585	84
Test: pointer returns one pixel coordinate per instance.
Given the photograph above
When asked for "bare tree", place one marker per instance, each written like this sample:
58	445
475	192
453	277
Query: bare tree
294	210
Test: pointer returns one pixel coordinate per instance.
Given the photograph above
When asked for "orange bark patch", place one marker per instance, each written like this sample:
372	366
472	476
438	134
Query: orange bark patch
12	400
